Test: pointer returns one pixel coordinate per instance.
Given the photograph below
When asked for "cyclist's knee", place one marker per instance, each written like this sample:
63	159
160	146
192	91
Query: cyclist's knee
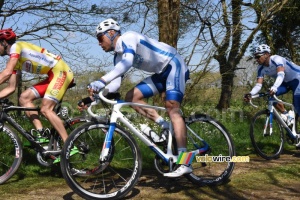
172	106
26	97
46	111
134	95
47	106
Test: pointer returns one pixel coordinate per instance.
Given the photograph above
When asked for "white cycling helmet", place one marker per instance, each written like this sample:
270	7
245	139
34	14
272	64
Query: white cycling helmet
262	49
108	24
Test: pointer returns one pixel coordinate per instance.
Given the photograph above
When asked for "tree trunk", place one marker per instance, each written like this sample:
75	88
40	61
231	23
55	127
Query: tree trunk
168	27
227	75
168	21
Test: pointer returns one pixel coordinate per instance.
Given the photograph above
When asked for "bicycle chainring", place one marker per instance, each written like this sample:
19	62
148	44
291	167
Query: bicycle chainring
289	140
160	165
43	160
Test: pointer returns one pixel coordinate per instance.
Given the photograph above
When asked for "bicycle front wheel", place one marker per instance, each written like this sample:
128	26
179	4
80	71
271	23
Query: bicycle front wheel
91	178
11	153
213	166
267	144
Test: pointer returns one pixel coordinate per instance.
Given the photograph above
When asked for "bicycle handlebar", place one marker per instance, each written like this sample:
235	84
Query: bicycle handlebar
98	99
268	95
103	98
257	96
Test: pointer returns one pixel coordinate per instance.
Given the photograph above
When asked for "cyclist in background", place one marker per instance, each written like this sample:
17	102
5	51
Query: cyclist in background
285	72
36	60
133	49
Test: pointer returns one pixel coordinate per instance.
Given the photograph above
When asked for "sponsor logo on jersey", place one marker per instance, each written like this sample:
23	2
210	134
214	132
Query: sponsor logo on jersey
138	60
54	92
38	69
27	66
60	80
42	58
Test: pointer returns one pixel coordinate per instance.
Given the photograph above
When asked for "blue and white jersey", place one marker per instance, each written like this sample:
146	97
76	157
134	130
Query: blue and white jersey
291	70
136	50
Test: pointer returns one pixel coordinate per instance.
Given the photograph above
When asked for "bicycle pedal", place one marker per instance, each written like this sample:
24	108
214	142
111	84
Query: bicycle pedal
52	153
42	140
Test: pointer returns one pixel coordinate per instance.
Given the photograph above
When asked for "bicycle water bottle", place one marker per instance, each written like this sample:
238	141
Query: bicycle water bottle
290	118
151	134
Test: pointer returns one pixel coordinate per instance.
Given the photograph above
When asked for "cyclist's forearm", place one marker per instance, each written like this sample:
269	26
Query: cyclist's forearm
11	87
279	80
256	89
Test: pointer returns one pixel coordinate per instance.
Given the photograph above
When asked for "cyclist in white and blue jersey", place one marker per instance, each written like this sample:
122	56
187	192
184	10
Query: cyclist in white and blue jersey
285	72
170	74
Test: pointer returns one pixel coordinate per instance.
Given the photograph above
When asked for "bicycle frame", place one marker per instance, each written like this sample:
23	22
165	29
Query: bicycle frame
291	131
5	117
116	115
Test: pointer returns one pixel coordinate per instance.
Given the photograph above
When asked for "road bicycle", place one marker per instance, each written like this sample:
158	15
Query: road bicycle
109	161
267	128
11	146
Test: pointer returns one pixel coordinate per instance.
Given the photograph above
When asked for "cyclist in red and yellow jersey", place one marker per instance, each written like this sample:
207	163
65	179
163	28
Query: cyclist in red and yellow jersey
36	60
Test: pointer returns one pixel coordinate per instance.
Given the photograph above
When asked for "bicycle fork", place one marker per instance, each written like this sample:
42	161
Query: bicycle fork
269	121
107	142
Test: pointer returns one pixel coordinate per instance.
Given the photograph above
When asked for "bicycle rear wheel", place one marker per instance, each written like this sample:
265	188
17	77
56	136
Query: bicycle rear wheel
268	146
208	169
90	178
11	153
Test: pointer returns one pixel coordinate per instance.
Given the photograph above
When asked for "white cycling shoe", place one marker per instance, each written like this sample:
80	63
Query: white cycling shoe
181	170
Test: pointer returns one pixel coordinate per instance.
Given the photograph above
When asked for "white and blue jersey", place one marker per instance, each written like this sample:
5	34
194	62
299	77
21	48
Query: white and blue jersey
136	50
291	78
291	70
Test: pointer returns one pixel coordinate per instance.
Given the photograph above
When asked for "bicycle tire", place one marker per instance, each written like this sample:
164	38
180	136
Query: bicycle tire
11	153
269	146
206	172
92	179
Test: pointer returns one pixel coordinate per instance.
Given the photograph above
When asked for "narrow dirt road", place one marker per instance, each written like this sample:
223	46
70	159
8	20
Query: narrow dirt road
259	179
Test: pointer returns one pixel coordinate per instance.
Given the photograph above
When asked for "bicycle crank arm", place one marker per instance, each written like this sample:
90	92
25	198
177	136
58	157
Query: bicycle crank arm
55	153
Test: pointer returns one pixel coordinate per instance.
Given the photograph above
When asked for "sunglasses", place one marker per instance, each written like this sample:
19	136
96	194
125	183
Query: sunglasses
100	37
258	56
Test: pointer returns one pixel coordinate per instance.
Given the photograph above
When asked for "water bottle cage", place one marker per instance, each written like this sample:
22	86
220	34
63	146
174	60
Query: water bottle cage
152	136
